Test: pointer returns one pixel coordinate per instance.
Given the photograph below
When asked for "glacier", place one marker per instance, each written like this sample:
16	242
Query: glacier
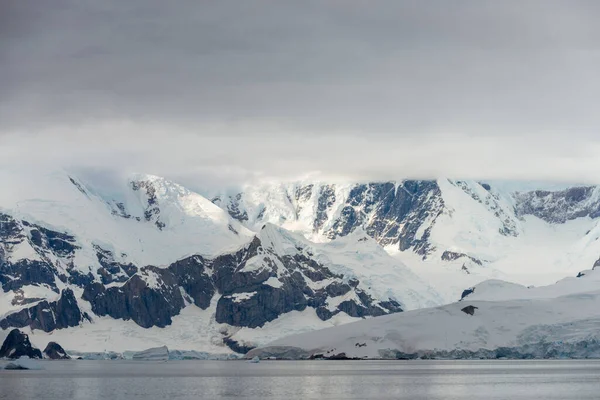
498	320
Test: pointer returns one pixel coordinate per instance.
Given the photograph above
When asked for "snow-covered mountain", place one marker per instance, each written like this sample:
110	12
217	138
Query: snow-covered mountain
452	233
146	262
152	254
497	320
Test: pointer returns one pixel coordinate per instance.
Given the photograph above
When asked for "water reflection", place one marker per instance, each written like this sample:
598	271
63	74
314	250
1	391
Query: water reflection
304	380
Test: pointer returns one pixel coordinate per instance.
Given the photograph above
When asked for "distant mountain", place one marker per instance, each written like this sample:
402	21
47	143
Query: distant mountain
146	262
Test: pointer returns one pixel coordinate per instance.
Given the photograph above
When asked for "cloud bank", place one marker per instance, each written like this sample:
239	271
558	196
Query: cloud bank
224	92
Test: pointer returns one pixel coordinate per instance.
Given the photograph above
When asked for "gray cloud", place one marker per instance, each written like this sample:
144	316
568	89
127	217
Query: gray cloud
239	90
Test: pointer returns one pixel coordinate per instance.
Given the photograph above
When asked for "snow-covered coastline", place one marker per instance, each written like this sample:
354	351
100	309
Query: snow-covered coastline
557	321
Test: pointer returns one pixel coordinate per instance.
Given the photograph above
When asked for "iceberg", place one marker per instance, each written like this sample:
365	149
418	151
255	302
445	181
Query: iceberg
153	354
23	363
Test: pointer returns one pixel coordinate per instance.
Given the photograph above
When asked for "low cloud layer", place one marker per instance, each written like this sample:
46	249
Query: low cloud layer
224	92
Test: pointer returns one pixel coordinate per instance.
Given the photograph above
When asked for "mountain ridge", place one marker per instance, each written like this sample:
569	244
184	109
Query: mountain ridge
151	252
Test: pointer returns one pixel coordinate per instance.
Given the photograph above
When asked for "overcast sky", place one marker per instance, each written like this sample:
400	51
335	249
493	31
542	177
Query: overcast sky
220	92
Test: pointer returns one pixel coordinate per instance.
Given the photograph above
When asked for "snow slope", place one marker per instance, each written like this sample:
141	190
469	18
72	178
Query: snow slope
120	219
554	321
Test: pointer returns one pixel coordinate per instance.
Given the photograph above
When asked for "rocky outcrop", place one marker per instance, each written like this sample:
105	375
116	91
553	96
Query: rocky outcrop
470	310
54	351
46	244
467	292
17	345
146	305
236	346
48	316
452	255
112	270
255	284
152	211
256	308
392	213
560	206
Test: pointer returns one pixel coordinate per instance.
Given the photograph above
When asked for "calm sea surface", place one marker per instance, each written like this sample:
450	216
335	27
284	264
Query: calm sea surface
291	380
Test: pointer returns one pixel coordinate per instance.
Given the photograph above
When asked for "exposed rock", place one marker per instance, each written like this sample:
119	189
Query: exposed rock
152	296
560	206
467	292
336	289
152	211
17	344
111	270
136	300
236	346
266	304
324	314
54	351
20	300
194	276
61	244
45	242
48	316
469	310
452	255
14	276
326	200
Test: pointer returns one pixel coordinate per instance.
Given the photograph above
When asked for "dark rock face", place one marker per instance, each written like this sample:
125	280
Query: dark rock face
235	346
467	292
193	275
253	286
14	276
326	200
46	243
596	264
152	211
61	244
560	206
390	212
248	300
54	351
136	300
451	256
48	316
249	296
17	345
469	310
111	270
266	305
395	213
234	209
